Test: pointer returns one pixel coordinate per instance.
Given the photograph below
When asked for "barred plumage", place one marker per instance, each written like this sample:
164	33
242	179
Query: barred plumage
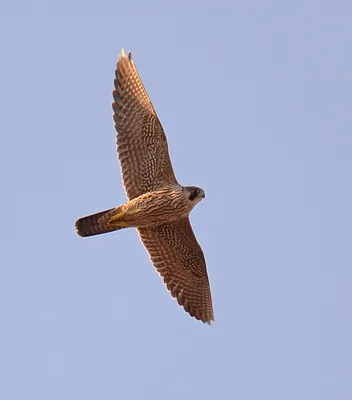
158	205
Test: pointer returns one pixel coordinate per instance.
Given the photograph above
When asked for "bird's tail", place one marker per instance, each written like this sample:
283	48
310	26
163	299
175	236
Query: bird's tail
99	223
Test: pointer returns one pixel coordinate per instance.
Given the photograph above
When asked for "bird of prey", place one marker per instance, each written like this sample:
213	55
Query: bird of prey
158	206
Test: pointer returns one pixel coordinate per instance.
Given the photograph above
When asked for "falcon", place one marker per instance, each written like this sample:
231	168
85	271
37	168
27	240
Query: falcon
158	206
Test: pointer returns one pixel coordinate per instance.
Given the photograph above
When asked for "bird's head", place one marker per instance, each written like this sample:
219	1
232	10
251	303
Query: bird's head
195	194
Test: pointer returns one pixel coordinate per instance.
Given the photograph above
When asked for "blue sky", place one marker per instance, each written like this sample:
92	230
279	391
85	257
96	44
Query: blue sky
255	98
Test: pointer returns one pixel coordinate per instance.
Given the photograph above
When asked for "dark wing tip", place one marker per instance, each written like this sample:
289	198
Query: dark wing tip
123	55
204	315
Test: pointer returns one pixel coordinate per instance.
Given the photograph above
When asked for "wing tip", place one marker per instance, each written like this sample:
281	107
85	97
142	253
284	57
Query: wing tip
124	55
206	319
204	315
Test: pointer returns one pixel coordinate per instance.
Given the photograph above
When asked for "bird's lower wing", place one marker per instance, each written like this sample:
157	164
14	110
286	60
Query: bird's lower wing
178	258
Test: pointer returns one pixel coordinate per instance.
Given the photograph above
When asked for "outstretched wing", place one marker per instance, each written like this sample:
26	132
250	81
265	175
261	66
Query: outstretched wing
178	258
141	142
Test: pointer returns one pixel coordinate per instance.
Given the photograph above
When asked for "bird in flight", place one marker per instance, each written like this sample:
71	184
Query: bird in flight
158	206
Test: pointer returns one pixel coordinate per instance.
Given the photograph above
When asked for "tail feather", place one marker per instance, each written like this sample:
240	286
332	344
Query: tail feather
96	224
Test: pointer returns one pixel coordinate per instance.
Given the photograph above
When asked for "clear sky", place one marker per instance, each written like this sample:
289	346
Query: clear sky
255	98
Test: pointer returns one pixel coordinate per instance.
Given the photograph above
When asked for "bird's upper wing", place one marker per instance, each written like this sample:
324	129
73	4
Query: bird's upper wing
141	142
178	258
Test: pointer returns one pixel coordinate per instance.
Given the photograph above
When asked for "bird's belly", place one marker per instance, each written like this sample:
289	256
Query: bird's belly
155	208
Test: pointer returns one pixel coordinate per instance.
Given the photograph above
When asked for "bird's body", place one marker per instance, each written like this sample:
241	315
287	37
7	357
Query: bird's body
149	209
158	206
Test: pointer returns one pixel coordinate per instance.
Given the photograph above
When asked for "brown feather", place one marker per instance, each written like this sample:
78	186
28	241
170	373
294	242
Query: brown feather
141	142
158	206
177	256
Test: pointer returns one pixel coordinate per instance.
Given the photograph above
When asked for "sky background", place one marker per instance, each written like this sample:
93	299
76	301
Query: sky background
255	98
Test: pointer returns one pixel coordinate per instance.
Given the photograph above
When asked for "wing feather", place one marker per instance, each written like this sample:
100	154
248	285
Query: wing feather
141	142
178	258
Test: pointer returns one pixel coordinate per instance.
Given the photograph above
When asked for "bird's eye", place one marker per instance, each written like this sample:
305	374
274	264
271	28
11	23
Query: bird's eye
194	194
